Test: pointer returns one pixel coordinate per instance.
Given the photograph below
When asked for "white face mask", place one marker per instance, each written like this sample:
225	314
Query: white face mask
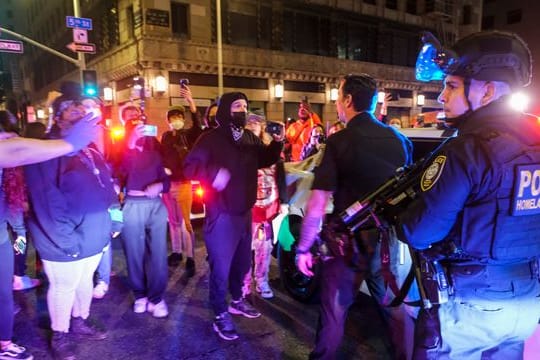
177	124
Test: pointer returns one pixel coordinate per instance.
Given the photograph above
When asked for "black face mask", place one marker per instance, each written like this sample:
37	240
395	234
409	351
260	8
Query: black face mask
238	119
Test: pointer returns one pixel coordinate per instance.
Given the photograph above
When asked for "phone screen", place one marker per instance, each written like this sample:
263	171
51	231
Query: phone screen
150	130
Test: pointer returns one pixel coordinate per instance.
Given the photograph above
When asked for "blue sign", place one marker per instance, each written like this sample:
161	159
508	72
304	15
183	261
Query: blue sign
526	199
78	23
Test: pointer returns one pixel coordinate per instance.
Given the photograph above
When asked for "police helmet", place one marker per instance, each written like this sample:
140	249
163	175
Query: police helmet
484	56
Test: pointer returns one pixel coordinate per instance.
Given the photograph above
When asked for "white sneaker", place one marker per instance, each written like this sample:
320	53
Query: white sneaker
158	310
140	305
265	290
100	290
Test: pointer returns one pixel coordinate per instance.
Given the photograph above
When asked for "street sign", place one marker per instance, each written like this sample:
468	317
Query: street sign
78	23
11	46
84	48
80	36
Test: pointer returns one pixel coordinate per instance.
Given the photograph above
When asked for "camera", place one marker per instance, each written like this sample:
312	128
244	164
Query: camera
184	82
273	128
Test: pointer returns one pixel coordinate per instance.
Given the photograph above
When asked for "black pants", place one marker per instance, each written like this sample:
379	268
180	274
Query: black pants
339	287
228	242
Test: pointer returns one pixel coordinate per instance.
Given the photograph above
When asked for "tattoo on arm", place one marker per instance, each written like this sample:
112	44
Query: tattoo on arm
310	228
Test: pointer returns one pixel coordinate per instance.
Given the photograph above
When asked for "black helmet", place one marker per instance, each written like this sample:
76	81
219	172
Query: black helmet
493	55
485	56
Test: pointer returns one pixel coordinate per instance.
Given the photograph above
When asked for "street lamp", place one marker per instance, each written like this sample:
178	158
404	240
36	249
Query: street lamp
334	92
161	83
278	90
107	94
420	100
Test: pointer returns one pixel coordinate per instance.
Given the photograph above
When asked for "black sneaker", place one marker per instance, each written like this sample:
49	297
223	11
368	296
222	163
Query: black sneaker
85	329
174	259
62	347
242	307
14	352
190	267
224	327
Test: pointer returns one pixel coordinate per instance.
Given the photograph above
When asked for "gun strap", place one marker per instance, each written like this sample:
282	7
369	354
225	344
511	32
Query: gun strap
389	277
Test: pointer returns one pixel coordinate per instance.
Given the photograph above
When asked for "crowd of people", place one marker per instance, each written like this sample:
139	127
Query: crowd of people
62	192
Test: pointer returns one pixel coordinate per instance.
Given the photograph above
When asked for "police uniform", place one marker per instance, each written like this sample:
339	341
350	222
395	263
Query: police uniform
356	161
481	194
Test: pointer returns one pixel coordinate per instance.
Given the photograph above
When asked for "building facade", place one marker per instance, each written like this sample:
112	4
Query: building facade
521	17
303	46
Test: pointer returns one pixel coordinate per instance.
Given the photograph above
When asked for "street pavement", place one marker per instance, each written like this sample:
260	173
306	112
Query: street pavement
286	329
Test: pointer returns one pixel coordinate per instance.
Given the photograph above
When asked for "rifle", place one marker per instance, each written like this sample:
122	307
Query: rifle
378	209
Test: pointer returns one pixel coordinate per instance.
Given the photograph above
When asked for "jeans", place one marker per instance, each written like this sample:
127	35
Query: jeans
6	287
145	245
103	271
228	242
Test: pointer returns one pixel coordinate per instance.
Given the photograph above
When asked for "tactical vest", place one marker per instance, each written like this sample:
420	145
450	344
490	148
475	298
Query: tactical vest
490	231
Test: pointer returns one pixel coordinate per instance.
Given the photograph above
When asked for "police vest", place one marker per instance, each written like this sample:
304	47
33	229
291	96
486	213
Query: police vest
506	227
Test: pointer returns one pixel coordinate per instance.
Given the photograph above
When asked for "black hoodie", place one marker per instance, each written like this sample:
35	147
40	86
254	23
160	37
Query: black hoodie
217	149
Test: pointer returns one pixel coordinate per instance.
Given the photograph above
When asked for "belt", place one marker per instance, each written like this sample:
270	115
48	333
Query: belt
499	272
136	193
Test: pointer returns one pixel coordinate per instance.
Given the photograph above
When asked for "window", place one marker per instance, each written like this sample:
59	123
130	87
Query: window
179	18
391	4
513	16
488	22
130	21
467	15
242	24
411	7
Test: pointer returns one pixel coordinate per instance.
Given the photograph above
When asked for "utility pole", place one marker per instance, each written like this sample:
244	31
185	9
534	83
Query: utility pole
80	55
219	47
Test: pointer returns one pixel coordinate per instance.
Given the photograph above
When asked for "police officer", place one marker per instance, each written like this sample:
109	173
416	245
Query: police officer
479	199
356	161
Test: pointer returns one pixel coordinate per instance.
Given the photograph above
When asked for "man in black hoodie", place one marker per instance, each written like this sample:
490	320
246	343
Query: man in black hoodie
225	160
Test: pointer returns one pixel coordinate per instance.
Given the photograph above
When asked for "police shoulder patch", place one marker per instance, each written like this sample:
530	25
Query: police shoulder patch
432	173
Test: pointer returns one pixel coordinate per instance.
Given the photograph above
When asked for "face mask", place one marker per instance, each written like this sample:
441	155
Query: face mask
239	119
177	124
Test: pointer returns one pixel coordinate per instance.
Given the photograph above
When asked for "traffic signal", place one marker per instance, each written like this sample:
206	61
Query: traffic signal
90	84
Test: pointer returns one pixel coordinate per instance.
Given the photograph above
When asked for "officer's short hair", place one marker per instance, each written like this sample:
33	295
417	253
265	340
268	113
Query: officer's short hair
362	89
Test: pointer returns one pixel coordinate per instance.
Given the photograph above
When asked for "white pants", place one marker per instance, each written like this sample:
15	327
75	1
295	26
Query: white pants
70	289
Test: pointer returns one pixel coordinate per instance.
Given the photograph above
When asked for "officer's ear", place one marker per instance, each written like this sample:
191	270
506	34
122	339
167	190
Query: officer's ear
489	90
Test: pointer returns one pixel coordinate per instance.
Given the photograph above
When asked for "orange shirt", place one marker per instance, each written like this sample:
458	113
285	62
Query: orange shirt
298	134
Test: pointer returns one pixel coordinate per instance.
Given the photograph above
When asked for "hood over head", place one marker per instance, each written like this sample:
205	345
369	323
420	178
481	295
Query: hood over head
223	114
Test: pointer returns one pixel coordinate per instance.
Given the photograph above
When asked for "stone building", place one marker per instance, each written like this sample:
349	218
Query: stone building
300	46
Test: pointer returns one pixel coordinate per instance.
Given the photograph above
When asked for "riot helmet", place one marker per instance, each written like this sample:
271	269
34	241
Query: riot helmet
483	56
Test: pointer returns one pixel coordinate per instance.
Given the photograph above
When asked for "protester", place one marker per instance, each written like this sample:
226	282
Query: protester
472	211
70	223
271	200
225	160
316	141
356	161
144	234
299	132
176	144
